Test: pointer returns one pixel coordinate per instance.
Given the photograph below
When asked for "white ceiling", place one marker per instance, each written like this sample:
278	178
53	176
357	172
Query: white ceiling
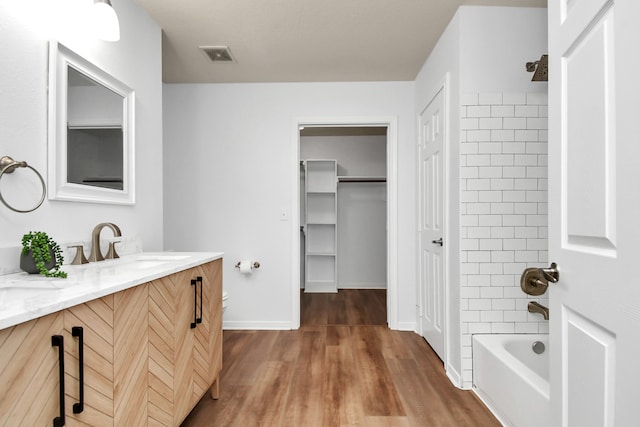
303	40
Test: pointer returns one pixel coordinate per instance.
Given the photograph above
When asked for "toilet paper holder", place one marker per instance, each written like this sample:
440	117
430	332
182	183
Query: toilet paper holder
255	264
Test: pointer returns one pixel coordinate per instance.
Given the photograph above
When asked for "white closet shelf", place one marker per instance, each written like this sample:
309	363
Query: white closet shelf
321	218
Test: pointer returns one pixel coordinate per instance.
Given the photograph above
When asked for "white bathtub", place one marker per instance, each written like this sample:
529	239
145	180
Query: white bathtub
511	379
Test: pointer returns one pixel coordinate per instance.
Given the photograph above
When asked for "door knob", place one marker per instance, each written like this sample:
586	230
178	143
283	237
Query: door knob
534	281
437	242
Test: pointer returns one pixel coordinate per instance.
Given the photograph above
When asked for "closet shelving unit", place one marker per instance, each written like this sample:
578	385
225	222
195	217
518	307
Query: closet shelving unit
321	221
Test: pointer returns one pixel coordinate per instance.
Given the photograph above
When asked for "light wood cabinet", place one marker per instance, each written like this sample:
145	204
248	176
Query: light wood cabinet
185	341
207	354
143	364
96	320
29	373
114	347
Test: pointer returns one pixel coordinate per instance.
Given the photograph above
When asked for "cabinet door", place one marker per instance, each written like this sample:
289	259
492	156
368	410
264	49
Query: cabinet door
29	373
208	334
162	332
115	337
131	356
96	320
171	340
214	274
186	295
183	360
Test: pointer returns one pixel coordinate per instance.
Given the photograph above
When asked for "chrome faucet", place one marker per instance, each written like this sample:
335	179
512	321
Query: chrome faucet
535	307
96	253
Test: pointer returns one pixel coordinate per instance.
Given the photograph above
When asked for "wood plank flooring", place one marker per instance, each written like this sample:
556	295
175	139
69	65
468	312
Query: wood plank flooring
347	307
343	367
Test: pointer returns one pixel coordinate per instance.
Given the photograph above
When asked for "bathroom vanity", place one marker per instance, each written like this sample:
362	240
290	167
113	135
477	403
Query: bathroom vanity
133	341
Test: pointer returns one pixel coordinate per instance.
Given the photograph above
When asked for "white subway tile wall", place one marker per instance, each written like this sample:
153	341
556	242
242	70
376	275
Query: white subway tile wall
503	213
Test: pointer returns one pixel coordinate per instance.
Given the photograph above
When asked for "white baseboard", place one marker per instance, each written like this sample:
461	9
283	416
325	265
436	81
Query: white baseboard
321	288
455	377
406	326
285	326
256	326
362	285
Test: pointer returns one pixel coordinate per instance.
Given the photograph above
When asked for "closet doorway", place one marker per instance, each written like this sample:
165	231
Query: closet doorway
343	210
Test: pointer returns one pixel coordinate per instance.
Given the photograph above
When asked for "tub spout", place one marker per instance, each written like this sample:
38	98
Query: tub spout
535	307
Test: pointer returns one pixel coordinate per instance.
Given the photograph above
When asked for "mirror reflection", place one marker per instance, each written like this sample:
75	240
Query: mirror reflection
94	133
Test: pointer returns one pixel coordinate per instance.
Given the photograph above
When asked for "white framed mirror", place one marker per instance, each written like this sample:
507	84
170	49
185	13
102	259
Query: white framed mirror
91	132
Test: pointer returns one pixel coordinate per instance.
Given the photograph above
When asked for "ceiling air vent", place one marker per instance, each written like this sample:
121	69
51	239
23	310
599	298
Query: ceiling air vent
218	53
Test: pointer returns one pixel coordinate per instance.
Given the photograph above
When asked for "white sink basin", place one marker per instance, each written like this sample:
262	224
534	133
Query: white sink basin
131	263
35	282
161	257
143	263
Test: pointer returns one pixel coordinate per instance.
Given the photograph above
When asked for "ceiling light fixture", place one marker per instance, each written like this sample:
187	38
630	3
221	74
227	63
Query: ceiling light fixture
105	21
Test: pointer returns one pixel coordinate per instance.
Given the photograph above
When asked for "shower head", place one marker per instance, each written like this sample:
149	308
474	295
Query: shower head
540	69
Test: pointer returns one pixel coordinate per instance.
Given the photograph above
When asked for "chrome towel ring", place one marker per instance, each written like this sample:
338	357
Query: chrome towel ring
8	165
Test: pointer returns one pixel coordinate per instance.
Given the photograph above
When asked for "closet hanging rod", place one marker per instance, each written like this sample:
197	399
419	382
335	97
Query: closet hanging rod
362	179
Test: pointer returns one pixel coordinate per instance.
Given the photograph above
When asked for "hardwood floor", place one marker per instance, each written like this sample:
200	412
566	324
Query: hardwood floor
348	307
343	367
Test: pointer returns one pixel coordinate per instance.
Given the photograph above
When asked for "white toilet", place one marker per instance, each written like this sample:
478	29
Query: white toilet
225	299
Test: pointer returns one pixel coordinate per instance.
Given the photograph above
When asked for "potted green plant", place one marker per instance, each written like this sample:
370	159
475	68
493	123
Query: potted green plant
41	254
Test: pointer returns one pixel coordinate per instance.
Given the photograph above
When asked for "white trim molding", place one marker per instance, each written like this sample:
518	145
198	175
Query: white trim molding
255	326
61	60
391	123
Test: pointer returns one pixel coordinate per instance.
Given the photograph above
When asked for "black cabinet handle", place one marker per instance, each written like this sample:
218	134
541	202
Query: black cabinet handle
199	279
58	341
194	283
77	331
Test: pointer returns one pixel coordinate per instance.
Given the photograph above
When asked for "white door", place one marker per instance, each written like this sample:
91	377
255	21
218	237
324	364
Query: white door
431	190
594	211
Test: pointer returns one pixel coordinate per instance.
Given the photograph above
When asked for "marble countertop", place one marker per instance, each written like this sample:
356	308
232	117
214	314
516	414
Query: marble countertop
24	297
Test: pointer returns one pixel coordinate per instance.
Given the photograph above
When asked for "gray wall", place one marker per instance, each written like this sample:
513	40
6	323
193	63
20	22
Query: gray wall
234	154
26	28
